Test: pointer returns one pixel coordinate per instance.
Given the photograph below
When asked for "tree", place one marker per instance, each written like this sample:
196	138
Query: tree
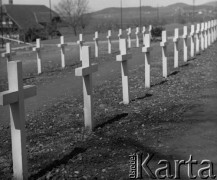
73	13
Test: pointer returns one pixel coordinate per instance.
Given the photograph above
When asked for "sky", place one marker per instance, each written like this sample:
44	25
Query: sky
101	4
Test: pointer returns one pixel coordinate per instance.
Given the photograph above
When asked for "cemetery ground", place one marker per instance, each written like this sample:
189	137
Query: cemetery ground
173	119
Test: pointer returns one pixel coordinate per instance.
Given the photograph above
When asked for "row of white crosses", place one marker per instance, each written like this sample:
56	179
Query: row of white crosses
16	94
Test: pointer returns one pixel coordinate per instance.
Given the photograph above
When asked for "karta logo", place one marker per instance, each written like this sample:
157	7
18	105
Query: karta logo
140	166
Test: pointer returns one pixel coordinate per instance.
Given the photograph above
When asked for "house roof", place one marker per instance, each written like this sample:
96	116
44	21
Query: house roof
29	16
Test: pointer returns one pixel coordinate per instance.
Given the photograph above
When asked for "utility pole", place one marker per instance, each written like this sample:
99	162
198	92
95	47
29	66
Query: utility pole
50	12
193	10
2	28
121	16
140	10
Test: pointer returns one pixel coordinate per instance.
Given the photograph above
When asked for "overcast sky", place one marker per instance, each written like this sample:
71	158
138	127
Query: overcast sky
100	4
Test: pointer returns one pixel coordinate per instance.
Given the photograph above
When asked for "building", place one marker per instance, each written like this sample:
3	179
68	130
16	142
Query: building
27	21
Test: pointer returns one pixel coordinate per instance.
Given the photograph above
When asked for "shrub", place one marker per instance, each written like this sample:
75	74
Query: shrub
157	31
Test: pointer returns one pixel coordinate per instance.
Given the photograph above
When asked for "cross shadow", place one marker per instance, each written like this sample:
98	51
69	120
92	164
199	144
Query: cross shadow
110	121
173	73
142	97
185	65
191	59
56	163
160	83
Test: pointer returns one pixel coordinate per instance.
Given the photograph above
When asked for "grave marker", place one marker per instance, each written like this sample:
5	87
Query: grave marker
120	34
129	37
147	49
62	46
209	33
109	42
37	49
185	43
164	44
80	42
198	39
15	97
206	36
149	30
123	58
8	54
86	73
96	40
143	34
202	37
176	48
192	41
137	37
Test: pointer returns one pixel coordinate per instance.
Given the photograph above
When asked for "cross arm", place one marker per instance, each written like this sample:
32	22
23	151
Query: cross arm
123	57
84	71
8	54
147	49
185	36
163	44
62	45
175	39
10	97
95	39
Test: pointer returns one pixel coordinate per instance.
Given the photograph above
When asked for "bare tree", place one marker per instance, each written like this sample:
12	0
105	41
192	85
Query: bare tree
73	12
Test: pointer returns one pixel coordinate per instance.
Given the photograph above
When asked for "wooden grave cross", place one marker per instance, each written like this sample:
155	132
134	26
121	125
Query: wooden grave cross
62	46
176	48
120	35
209	33
109	42
15	97
202	40
212	32
206	35
149	30
185	43
192	34
86	73
164	44
198	39
129	37
8	54
123	58
80	42
143	34
96	40
147	49
37	49
137	36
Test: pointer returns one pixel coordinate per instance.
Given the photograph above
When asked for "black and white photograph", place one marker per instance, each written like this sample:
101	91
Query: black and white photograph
108	89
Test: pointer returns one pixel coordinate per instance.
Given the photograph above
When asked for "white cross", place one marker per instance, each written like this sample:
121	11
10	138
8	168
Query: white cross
164	44
206	35
176	48
37	49
202	37
80	42
198	39
123	58
15	97
96	39
86	72
147	49
185	43
62	46
109	41
8	54
192	40
209	33
143	34
150	29
137	36
120	34
129	37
